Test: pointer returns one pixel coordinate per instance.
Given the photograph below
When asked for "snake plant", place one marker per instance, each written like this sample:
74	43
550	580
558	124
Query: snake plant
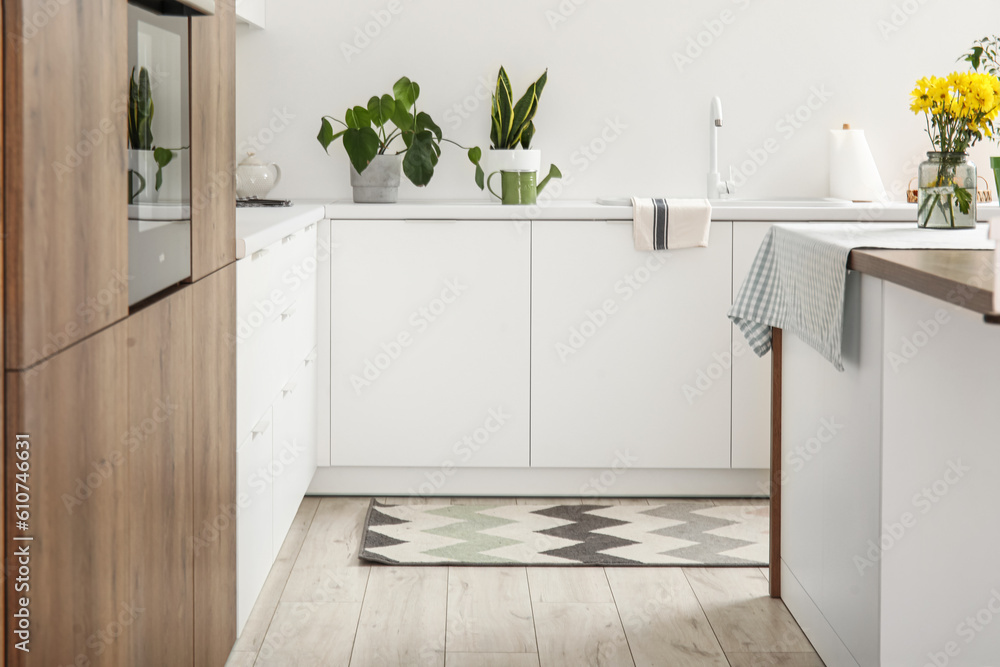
140	122
512	124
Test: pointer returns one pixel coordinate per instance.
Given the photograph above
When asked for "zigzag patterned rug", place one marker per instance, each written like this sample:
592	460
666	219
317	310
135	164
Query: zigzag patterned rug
682	532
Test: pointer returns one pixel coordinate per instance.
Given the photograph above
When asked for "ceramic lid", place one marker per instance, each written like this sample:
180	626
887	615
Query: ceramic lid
251	161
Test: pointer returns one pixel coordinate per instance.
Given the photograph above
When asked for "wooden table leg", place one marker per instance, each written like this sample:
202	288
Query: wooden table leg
775	555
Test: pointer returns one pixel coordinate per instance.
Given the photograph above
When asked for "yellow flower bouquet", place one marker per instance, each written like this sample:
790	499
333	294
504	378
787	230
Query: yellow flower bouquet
960	110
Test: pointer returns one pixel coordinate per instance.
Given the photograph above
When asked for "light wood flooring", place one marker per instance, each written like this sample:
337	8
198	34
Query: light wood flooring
321	606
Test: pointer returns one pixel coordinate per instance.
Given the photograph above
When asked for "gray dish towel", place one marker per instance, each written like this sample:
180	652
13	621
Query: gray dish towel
797	280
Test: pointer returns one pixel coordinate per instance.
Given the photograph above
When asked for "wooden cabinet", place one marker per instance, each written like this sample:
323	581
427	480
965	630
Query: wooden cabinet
65	83
214	466
213	140
74	410
620	342
430	343
160	362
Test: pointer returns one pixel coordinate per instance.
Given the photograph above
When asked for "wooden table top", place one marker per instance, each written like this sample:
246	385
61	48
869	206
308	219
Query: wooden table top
962	277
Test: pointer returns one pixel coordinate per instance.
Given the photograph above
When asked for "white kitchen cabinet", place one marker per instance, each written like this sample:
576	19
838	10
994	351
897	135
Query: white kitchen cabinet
430	343
251	12
294	455
620	340
276	411
253	516
751	374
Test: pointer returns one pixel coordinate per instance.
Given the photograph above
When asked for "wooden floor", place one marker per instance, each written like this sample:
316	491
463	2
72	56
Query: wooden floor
322	606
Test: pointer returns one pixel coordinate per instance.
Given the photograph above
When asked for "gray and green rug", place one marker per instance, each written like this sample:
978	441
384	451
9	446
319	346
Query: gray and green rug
684	532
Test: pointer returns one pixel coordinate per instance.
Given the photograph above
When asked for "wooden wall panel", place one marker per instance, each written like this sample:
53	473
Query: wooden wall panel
213	140
214	456
160	480
66	92
74	410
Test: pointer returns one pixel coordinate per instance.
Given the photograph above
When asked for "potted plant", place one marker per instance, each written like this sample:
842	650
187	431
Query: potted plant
985	53
146	160
368	134
960	110
512	129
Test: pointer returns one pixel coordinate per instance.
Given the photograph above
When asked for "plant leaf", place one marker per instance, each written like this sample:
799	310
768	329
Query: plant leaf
525	110
325	136
494	124
964	198
420	158
424	122
402	118
145	111
162	157
361	145
406	91
527	134
504	109
362	117
380	109
475	156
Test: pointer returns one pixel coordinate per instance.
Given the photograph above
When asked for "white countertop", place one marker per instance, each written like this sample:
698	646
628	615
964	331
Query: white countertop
260	227
591	210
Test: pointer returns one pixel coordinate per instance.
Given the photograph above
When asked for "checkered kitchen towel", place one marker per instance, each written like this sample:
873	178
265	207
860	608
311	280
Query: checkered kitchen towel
798	278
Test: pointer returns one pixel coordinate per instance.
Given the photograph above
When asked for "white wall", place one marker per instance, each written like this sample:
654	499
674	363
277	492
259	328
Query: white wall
611	62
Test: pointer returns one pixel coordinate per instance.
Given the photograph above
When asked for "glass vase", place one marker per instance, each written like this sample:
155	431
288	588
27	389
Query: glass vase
947	192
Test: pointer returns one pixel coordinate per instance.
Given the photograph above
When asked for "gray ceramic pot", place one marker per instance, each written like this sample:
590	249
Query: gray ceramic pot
379	182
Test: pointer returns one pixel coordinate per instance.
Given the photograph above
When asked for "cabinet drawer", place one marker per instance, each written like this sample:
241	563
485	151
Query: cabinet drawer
294	451
295	257
257	314
254	517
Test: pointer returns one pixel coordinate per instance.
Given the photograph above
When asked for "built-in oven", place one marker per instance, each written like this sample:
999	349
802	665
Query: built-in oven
159	176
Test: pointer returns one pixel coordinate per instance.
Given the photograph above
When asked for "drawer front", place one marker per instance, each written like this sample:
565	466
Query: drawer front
293	253
257	315
294	452
254	552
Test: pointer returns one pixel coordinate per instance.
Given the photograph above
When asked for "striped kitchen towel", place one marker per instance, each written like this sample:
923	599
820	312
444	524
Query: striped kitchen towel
798	278
661	224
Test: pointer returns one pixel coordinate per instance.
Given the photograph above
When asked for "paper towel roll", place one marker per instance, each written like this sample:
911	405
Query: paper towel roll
853	174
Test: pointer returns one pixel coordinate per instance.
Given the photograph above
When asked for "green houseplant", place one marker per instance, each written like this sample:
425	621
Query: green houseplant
146	160
985	53
512	127
368	134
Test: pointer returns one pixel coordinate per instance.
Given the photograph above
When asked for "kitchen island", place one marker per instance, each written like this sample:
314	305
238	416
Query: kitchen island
889	539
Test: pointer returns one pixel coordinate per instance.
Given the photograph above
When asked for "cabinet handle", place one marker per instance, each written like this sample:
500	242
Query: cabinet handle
288	389
259	429
289	238
260	253
309	227
288	312
310	358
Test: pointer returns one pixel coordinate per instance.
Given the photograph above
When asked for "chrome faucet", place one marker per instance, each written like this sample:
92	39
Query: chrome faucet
717	188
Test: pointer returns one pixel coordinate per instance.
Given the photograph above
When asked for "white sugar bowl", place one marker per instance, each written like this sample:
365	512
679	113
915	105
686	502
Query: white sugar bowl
255	178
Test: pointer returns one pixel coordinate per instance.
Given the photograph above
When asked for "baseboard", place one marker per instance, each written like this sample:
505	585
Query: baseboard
824	638
575	482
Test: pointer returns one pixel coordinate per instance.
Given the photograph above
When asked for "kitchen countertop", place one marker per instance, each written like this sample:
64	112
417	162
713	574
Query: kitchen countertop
732	210
961	277
259	227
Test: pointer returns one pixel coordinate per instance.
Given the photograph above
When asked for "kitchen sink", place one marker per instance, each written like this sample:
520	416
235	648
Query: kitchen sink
781	202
